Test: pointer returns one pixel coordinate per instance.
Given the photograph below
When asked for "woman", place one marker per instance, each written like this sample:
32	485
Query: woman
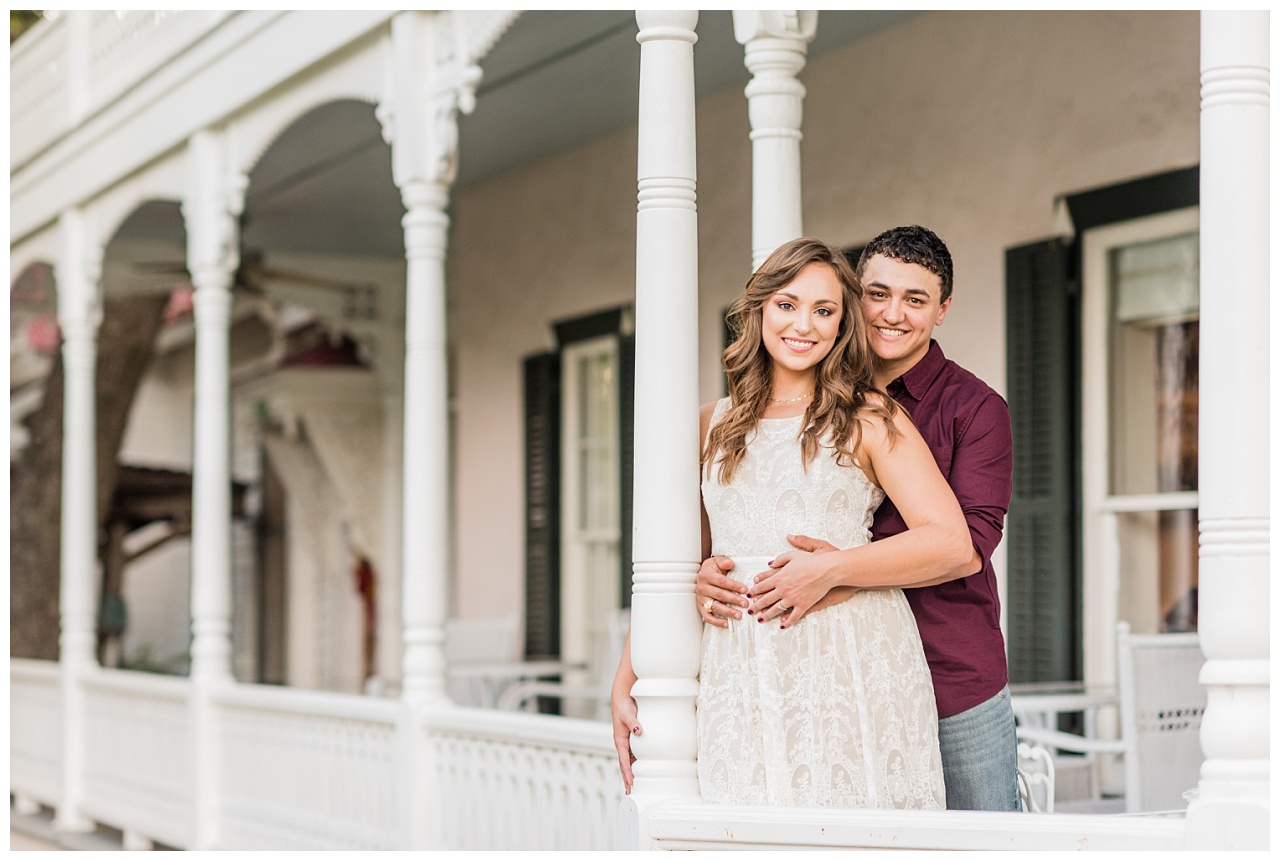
837	708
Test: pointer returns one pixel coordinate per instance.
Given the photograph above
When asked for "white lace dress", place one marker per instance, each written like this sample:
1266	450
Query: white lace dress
837	711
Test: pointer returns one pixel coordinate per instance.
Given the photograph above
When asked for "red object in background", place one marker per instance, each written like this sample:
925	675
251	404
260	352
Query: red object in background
43	334
366	586
344	353
181	302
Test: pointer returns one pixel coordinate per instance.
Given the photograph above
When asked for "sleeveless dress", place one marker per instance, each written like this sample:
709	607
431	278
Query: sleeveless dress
837	711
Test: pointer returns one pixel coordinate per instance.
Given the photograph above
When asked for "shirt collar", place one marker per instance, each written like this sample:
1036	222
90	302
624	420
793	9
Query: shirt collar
917	380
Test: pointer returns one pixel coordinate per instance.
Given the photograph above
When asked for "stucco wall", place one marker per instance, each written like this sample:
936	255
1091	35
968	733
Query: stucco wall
971	123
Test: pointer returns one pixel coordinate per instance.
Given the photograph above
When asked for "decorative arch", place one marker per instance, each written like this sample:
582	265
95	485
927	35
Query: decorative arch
304	190
357	76
163	179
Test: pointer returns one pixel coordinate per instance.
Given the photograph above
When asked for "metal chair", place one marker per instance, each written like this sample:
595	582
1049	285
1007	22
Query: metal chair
523	696
476	642
1161	702
1035	778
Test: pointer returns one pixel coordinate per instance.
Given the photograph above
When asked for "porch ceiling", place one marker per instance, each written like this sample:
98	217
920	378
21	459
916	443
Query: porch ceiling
554	81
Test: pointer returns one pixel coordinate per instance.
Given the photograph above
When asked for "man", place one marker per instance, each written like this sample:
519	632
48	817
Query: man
906	275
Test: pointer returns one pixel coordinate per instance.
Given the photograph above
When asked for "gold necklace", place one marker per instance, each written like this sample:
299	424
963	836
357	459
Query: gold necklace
793	400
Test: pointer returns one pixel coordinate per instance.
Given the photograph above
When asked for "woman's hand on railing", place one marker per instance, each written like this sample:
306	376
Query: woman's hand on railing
623	707
624	724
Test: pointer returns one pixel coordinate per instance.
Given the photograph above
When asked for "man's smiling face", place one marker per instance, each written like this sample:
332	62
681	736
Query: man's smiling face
902	301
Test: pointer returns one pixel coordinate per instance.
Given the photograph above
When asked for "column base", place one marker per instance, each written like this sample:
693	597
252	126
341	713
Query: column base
73	823
135	842
1235	824
25	805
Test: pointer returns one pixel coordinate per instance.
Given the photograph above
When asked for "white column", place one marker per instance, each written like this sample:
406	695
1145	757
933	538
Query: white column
214	199
776	45
426	444
79	314
1232	809
666	632
432	80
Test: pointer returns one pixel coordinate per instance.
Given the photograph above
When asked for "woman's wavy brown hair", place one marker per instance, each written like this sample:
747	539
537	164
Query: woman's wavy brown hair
843	390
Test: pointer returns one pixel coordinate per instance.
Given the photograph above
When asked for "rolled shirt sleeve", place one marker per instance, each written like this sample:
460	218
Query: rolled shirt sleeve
982	473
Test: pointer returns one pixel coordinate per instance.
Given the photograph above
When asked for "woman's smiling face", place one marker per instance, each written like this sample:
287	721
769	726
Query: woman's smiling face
801	321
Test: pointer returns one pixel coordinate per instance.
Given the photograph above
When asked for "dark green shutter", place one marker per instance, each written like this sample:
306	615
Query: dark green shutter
1042	529
626	453
542	505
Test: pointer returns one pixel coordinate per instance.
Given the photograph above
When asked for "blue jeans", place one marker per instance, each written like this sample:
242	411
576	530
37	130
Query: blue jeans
980	756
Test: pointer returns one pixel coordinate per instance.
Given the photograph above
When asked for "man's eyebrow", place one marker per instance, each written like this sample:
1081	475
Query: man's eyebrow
910	291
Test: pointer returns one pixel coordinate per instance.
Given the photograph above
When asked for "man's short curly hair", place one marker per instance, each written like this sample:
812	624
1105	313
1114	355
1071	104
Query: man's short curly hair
914	244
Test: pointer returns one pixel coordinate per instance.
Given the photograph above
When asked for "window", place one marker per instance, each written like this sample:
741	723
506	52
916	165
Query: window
590	497
1101	335
1141	385
578	427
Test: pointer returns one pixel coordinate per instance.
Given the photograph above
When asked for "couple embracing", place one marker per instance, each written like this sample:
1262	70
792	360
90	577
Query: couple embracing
854	486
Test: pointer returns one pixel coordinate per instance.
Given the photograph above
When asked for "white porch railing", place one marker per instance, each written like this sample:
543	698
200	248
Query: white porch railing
309	770
70	66
39	91
520	781
35	731
138	753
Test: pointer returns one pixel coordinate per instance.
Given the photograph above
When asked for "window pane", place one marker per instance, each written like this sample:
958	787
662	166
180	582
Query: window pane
1159	570
1155	354
597	443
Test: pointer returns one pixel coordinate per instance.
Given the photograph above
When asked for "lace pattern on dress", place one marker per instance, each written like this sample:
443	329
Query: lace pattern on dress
837	711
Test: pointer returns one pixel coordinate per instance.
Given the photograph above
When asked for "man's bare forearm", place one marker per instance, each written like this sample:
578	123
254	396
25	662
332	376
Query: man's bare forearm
893	563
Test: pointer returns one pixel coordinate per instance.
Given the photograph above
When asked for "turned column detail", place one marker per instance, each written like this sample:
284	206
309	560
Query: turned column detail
431	81
776	45
214	199
665	629
79	315
1232	805
211	209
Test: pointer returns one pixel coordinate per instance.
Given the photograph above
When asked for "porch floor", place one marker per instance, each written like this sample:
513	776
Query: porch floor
36	832
1098	805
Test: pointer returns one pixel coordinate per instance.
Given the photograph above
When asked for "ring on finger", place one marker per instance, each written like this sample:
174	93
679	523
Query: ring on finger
706	605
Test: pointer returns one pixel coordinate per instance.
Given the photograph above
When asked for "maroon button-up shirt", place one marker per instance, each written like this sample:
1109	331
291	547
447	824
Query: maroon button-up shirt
966	424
